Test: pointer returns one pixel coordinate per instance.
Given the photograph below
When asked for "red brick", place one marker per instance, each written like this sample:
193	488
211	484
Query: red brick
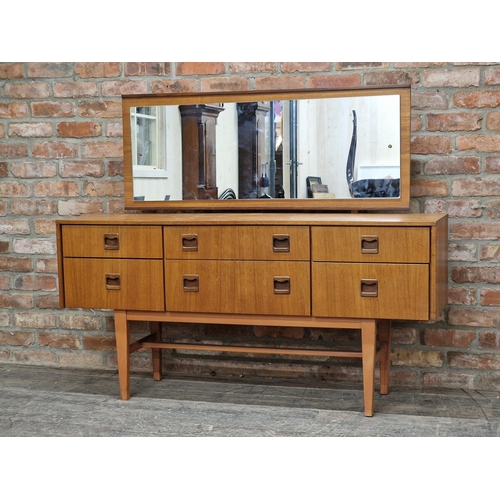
80	207
252	67
99	342
492	165
13	150
453	165
52	109
462	295
448	380
465	208
492	76
474	361
390	78
35	246
174	86
11	189
45	226
493	209
79	129
100	109
115	168
58	340
30	170
47	265
79	322
50	301
467	77
34	320
225	84
12	70
98	69
16	301
34	357
489	340
17	338
14	226
429	100
428	188
16	264
4	169
486	186
279	332
106	188
32	129
75	89
32	283
477	99
447	338
32	207
430	144
103	149
280	82
304	67
450	122
333	81
493	120
342	66
56	188
407	336
482	143
147	68
490	252
55	149
50	69
13	110
22	90
475	231
114	129
199	68
119	88
473	317
480	274
490	297
82	168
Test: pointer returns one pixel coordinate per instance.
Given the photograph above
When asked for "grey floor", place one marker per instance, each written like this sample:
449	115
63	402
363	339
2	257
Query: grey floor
39	402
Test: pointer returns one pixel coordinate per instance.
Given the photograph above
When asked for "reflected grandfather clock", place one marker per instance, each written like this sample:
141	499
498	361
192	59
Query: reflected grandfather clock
199	180
251	147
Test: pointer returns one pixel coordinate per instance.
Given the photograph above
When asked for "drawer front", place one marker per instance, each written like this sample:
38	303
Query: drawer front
133	284
123	242
246	287
371	244
375	291
237	242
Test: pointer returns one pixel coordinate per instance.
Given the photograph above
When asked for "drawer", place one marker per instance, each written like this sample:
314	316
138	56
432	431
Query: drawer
133	284
237	242
375	291
122	242
370	244
246	287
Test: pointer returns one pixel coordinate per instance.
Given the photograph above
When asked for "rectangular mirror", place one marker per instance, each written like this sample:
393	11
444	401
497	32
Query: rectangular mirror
313	149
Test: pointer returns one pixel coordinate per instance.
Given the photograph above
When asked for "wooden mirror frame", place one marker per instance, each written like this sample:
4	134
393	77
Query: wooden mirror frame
275	204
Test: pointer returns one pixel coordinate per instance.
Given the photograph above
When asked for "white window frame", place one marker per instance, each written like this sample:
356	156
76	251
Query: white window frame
157	138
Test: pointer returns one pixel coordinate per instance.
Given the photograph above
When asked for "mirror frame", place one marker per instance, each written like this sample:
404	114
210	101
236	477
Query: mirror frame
275	204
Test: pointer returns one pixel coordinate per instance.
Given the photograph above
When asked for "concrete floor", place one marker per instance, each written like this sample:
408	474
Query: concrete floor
37	401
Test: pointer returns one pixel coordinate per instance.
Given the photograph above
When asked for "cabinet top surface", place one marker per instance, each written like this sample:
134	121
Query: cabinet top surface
211	219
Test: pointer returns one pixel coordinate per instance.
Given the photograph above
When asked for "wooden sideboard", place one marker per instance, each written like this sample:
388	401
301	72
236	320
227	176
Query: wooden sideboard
356	271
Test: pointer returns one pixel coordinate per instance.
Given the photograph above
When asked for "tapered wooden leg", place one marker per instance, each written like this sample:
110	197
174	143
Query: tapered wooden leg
368	348
123	353
384	337
155	327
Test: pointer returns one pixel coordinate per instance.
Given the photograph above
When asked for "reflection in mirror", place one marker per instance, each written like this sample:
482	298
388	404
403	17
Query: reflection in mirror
267	149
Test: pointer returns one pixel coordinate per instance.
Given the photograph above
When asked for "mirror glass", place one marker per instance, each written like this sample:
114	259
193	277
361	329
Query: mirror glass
342	146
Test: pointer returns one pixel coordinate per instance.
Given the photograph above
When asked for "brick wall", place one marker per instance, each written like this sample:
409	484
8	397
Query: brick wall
61	155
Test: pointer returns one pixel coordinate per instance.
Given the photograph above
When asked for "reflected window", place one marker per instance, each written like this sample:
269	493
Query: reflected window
148	141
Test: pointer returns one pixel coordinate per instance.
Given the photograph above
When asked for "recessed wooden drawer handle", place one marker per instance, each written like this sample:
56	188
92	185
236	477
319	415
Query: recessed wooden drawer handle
112	241
369	288
113	282
281	243
369	244
189	242
282	284
191	283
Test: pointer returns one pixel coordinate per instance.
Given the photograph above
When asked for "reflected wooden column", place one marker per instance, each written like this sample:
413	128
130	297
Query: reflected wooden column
251	146
199	181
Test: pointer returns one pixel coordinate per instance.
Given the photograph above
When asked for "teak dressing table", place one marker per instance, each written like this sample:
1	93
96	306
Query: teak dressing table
262	261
